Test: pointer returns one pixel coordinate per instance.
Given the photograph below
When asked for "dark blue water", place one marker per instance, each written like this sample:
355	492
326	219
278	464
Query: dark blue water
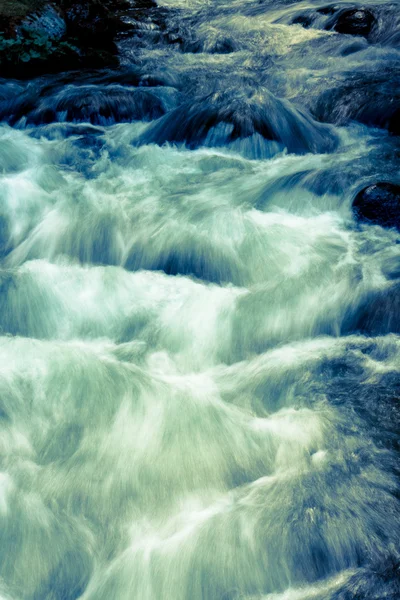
200	351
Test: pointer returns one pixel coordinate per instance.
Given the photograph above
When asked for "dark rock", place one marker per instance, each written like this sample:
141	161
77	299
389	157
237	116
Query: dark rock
143	5
379	204
353	21
357	21
61	35
98	58
370	98
394	120
92	23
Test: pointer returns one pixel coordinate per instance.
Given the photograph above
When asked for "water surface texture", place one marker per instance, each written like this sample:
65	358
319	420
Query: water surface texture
200	349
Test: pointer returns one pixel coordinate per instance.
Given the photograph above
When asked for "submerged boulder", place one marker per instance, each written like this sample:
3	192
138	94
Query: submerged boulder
231	115
379	204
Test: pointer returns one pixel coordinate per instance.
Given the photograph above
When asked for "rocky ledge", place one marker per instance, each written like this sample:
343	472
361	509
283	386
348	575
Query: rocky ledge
42	37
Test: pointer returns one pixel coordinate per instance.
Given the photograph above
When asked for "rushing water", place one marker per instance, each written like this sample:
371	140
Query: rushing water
200	351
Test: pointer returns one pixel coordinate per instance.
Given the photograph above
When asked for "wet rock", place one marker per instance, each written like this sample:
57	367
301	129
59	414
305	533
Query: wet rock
31	41
60	35
231	115
352	21
146	24
370	98
124	95
103	105
379	204
357	21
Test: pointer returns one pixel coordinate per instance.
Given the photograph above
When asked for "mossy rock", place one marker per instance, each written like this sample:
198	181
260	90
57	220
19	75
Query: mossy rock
39	37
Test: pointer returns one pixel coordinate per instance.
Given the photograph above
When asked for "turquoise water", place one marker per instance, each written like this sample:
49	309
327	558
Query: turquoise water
197	401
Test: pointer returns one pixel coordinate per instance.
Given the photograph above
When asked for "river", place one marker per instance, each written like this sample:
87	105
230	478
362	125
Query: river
200	349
